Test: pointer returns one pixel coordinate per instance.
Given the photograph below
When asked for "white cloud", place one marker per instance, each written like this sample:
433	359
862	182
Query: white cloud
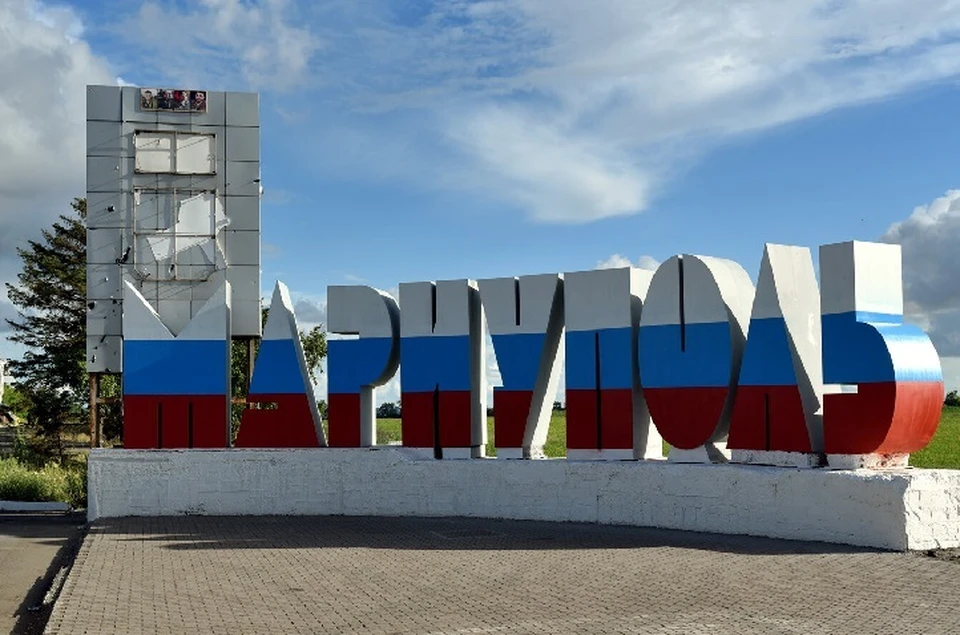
929	239
45	67
549	172
616	260
310	310
576	111
261	45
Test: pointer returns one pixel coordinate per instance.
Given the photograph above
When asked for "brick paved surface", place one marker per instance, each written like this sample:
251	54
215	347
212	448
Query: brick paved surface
431	576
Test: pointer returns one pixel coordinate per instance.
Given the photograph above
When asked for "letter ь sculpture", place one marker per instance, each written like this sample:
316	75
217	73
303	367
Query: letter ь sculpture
885	377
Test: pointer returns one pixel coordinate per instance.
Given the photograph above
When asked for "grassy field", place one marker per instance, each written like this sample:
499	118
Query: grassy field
943	451
52	483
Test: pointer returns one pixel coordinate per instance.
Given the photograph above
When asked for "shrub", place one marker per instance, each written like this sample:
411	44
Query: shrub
54	482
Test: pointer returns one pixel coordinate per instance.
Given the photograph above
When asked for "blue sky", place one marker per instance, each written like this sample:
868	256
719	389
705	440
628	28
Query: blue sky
422	140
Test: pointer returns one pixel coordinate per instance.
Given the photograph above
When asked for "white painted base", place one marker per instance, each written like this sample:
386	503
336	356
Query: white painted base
534	452
616	455
583	455
870	461
20	506
464	453
782	459
709	453
890	509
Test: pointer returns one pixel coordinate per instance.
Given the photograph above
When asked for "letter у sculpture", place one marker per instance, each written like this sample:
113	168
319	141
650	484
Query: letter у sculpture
176	390
357	366
607	417
280	378
441	374
525	317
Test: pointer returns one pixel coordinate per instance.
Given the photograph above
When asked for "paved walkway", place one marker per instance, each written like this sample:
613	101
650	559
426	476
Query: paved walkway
432	576
33	549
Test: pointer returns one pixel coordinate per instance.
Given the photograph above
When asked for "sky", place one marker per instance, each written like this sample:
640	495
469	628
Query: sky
427	140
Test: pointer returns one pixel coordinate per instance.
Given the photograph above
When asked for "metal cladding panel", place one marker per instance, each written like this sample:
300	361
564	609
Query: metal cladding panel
243	178
175	313
242	144
220	135
196	153
120	198
174	117
245	281
246	318
109	174
105	246
104	354
243	212
243	248
103	282
105	139
216	111
99	214
154	151
104	317
103	103
243	109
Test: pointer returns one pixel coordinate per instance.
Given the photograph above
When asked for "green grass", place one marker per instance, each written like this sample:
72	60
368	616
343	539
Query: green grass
388	431
52	483
944	448
942	452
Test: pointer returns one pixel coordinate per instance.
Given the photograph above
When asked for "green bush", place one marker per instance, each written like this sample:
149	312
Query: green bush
51	483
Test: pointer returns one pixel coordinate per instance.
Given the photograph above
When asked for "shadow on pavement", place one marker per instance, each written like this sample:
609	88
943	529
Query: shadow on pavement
65	530
299	532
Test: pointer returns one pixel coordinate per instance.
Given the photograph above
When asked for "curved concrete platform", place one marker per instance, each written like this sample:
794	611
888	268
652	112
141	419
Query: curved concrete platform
903	509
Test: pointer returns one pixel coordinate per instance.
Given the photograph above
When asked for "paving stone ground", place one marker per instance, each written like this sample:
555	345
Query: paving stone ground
467	577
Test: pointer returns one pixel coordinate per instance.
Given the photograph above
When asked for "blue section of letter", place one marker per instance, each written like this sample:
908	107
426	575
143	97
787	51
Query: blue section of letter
518	358
175	367
431	361
277	371
767	360
705	360
616	359
873	348
352	364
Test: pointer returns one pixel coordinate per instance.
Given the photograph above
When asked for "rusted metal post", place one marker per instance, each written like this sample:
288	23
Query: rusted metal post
94	410
250	359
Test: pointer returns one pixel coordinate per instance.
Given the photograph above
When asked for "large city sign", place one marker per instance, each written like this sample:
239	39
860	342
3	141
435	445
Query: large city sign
787	373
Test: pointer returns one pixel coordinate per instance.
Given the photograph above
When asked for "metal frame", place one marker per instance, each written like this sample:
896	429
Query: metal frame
176	193
175	148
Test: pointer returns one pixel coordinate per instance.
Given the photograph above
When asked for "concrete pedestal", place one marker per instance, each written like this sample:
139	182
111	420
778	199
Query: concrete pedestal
898	509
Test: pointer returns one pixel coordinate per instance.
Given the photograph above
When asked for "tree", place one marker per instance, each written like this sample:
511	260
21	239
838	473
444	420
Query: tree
51	316
953	399
50	299
388	410
314	349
